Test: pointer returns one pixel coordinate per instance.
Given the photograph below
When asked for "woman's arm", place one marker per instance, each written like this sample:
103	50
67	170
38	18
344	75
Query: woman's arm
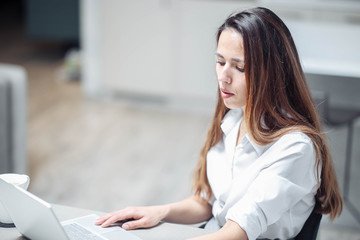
230	231
189	211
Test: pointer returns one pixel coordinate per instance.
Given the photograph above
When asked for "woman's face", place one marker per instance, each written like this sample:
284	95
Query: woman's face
230	69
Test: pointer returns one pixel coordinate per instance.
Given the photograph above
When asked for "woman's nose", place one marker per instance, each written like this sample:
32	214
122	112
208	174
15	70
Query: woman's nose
224	74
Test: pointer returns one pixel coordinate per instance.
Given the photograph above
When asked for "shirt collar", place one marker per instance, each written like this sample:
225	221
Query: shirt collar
232	120
260	149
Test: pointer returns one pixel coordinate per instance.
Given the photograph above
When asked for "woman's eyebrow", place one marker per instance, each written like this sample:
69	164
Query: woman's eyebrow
232	59
219	55
237	60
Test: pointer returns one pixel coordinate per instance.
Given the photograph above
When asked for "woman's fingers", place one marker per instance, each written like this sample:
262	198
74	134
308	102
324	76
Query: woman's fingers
113	217
134	224
102	219
111	220
144	222
138	217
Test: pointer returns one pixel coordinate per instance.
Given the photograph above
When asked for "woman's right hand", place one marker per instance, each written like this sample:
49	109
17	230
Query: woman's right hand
137	217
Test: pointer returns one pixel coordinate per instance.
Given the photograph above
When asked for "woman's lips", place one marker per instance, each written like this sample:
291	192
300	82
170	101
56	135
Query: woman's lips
225	93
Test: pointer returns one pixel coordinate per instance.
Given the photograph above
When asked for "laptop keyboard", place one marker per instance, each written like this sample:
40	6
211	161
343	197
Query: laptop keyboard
77	232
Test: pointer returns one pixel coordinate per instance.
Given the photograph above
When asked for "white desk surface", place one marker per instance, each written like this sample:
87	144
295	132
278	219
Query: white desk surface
165	231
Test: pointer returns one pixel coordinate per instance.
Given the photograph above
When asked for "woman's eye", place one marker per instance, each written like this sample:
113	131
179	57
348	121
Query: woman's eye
221	63
240	69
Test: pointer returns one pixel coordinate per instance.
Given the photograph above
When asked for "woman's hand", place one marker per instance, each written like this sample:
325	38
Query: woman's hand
138	217
189	211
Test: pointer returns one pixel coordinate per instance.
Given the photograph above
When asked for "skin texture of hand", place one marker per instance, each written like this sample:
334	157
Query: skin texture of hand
139	217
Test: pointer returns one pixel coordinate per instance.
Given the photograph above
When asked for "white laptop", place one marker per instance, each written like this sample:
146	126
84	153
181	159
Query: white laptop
35	219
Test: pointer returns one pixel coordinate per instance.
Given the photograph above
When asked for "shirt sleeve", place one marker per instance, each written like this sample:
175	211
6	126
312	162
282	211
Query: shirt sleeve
204	196
288	176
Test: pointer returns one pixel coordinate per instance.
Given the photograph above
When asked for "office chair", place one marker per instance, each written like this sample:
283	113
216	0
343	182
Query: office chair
311	227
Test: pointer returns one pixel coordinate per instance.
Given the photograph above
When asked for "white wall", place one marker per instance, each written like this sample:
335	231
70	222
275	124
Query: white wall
327	34
165	48
162	48
91	44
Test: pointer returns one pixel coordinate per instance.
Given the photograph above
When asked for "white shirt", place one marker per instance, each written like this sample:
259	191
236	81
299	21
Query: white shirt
268	190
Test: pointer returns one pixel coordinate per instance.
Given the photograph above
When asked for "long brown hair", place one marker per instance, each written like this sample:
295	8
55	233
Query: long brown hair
278	101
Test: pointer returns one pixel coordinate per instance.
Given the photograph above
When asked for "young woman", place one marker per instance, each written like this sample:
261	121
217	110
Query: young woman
265	162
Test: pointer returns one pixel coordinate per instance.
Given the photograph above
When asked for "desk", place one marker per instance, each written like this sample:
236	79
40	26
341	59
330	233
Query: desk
165	231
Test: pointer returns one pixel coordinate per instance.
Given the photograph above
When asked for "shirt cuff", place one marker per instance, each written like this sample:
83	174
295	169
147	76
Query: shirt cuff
247	221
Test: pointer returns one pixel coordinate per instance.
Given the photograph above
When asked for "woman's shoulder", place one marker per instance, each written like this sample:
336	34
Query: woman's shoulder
286	141
292	147
295	136
298	141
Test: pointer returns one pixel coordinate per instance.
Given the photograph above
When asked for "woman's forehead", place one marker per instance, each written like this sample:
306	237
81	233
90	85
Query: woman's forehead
230	44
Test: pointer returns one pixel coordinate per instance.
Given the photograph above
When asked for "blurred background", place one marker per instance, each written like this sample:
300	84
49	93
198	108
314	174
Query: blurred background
106	104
